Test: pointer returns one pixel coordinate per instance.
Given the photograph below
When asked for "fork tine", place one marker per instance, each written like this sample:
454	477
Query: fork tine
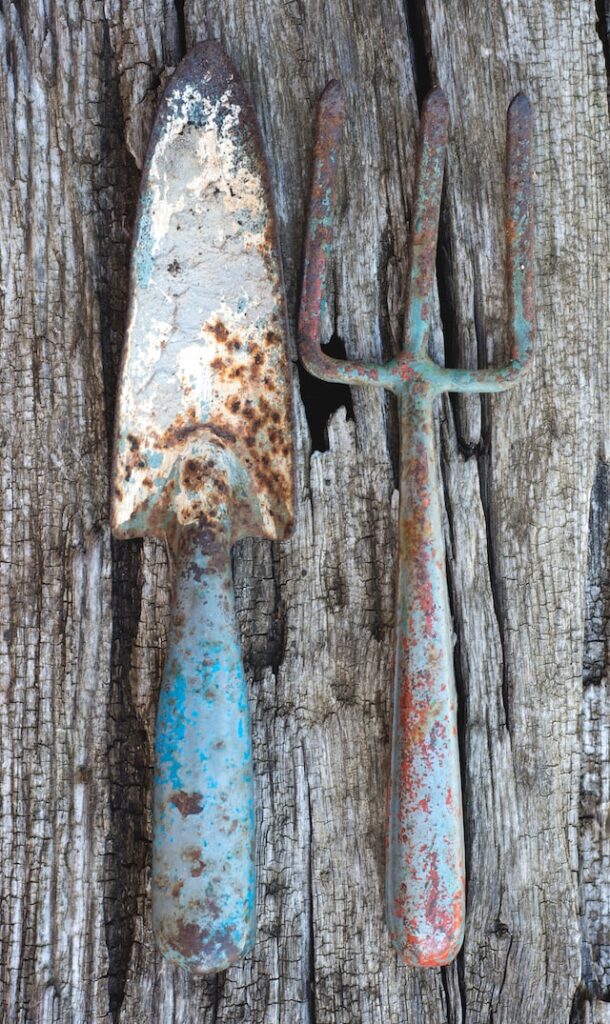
329	123
519	228
424	227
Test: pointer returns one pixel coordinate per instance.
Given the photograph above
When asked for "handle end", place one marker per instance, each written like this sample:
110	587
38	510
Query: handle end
432	949
203	863
204	946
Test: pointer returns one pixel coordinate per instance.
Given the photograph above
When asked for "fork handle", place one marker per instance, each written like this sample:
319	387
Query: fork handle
425	856
203	880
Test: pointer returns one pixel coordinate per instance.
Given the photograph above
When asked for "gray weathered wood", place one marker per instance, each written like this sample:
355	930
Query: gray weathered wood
526	486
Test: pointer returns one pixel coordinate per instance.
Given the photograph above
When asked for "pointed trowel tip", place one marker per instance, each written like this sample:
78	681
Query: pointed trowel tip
206	62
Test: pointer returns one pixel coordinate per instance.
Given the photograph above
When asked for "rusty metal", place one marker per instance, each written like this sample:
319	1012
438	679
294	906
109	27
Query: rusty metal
203	457
425	852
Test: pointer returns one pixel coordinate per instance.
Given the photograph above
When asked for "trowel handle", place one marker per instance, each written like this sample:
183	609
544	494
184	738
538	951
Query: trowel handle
425	856
203	882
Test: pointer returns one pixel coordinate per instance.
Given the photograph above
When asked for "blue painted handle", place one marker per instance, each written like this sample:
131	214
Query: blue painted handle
203	882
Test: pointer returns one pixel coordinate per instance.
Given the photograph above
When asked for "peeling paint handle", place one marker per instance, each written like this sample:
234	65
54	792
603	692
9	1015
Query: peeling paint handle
203	836
425	857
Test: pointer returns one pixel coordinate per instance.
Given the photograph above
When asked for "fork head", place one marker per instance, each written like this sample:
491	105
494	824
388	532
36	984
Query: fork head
413	367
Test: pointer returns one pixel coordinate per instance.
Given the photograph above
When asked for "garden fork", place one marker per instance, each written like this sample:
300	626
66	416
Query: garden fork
425	845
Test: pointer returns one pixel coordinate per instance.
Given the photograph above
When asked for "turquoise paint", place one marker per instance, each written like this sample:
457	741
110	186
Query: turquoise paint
204	793
142	253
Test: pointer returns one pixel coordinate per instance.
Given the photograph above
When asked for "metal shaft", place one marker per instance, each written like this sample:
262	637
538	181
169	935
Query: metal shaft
425	855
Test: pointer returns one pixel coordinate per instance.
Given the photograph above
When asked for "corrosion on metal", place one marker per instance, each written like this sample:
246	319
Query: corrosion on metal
204	457
425	851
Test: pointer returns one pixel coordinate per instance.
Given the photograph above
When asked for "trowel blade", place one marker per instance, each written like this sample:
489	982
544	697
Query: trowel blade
204	424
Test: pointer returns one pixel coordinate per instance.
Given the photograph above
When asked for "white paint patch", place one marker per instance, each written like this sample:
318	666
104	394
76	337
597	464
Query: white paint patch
193	373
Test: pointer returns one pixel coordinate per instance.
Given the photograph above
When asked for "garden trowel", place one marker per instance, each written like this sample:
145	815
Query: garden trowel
203	458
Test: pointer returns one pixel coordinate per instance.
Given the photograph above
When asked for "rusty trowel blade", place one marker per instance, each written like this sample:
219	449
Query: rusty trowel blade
204	426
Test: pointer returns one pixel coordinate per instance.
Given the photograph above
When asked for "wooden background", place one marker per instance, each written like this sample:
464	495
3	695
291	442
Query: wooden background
526	489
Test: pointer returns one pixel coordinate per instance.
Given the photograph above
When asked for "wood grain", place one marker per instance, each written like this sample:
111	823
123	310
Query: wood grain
527	512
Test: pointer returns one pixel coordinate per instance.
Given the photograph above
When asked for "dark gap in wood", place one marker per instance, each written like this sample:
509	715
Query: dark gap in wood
445	278
127	845
393	435
460	964
602	25
276	637
579	1013
445	987
267	652
264	649
478	320
497	593
216	994
113	253
597	582
386	254
419	47
321	399
179	5
447	311
388	350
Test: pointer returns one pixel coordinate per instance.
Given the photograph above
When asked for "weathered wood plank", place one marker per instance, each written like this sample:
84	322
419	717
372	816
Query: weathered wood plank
526	495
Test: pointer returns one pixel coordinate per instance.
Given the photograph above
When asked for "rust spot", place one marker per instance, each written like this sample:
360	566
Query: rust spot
177	889
198	866
211	907
184	426
220	485
218	329
193	474
222	432
187	803
194	942
188	938
147	481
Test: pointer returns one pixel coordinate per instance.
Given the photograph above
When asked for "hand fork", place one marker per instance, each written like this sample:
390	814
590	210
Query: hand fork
425	845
